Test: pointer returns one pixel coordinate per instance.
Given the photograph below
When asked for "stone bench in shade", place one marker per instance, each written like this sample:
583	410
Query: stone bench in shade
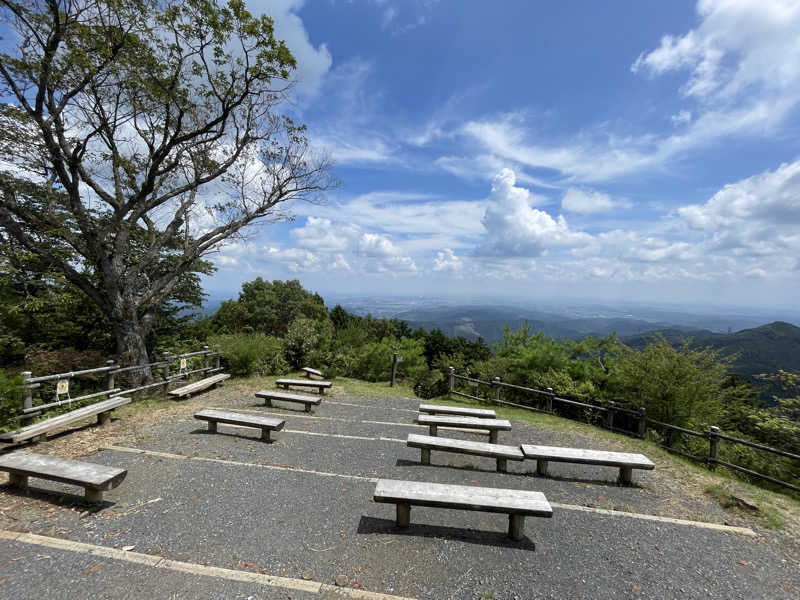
517	504
94	478
320	385
426	443
625	461
198	386
458	411
433	422
265	424
308	401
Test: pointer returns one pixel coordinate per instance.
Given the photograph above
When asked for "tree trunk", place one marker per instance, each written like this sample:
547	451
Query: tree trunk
130	332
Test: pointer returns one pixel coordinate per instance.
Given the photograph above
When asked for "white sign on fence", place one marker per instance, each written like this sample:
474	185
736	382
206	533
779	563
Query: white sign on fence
62	387
183	364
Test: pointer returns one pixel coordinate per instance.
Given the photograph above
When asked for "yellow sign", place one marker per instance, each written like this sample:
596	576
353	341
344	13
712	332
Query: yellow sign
183	364
62	387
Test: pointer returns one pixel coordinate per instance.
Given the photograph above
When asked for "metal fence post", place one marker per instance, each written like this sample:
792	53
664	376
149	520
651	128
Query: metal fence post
713	446
642	421
451	380
549	397
27	398
496	386
394	369
110	375
611	407
205	357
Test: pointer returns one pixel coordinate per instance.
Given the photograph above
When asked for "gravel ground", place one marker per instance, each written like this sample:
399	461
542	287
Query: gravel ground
321	522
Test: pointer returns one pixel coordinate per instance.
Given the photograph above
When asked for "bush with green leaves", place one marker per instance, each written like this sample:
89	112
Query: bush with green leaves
251	354
10	399
430	384
374	360
306	341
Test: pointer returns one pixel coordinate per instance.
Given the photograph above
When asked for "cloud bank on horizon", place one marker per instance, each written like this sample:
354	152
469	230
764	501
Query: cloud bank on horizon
607	151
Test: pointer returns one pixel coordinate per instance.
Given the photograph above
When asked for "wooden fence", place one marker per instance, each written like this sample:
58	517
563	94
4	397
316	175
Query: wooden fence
621	420
114	373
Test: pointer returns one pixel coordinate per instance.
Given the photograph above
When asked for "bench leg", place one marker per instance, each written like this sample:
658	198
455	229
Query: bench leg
265	435
541	467
322	391
103	418
625	475
18	480
433	430
93	495
212	427
308	408
493	436
516	527
425	456
403	515
502	465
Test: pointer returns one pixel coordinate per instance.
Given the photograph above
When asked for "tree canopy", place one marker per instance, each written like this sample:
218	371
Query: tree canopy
144	134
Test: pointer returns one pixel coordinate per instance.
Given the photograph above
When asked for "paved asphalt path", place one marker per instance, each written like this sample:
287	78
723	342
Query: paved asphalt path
238	503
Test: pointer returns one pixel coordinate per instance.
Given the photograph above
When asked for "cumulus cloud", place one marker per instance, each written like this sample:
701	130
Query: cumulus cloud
447	262
323	236
757	216
584	201
514	228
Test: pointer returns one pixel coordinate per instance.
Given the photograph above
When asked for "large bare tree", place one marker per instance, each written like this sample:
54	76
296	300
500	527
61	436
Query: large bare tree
143	135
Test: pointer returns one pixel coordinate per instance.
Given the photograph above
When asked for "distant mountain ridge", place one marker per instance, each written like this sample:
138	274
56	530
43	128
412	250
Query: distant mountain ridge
764	349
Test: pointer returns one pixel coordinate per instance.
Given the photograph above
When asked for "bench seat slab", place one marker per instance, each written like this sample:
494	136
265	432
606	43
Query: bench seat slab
91	476
492	425
39	430
269	395
309	372
587	457
426	443
441	409
199	385
320	385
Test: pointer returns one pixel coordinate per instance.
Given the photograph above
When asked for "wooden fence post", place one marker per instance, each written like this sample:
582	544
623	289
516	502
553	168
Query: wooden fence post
611	407
205	357
110	375
451	380
165	355
549	399
27	398
642	422
713	446
216	362
496	386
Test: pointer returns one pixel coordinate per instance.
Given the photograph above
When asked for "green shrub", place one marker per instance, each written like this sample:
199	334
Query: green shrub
430	384
251	354
10	399
304	338
374	361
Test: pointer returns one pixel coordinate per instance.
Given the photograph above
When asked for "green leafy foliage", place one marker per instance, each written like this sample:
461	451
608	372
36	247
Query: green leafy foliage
252	354
10	399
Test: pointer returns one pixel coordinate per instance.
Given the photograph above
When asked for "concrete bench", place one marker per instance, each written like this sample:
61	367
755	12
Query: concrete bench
426	443
309	372
94	478
198	386
518	504
269	396
38	431
320	385
265	424
441	409
491	425
625	461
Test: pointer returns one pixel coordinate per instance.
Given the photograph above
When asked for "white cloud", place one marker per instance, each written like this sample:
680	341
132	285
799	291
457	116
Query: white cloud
322	235
514	228
447	262
584	201
312	63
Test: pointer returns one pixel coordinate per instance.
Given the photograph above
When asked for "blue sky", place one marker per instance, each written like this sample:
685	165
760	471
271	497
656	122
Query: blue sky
640	150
